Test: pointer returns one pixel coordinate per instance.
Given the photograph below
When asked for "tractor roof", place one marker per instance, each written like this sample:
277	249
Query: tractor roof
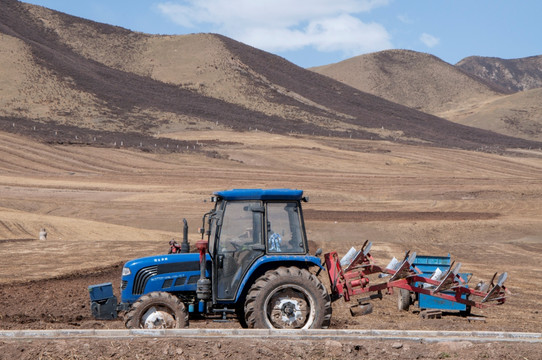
260	194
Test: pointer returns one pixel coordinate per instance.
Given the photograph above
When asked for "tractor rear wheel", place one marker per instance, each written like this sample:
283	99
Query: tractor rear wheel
288	298
157	310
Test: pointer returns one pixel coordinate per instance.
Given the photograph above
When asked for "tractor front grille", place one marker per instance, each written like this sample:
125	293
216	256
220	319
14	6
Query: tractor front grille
141	278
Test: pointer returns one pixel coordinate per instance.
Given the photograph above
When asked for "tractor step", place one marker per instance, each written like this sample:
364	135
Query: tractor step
224	313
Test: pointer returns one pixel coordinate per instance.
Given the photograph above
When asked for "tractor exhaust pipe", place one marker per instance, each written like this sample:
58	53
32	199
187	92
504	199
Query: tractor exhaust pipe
185	246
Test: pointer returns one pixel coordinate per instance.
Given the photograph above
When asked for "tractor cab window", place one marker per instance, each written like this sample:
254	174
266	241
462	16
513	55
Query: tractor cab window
284	231
240	243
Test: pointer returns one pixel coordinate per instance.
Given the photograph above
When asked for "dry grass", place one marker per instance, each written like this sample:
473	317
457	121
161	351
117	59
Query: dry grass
70	71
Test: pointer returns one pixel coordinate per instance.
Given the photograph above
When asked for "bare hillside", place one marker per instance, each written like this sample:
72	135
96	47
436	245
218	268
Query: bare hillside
83	74
417	80
473	93
512	74
196	62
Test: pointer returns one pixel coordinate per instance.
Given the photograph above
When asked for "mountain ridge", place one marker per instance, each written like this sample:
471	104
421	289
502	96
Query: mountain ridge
427	83
257	90
512	74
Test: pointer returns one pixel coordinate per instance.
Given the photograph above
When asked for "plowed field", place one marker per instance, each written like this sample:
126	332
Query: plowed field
102	207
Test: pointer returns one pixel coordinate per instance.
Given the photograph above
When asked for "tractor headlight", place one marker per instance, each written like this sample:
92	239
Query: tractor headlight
126	271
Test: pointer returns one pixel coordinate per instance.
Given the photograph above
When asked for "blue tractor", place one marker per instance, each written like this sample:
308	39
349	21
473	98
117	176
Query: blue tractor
253	262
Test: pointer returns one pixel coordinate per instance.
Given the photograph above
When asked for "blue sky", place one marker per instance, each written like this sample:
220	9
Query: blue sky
318	32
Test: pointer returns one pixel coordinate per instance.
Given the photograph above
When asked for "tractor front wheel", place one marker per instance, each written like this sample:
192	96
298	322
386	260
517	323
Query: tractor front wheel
288	298
157	310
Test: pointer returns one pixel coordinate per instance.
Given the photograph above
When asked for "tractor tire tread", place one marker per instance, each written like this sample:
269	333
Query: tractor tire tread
138	309
279	275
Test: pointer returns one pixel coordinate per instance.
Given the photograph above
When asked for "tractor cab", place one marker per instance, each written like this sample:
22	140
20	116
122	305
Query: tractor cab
246	225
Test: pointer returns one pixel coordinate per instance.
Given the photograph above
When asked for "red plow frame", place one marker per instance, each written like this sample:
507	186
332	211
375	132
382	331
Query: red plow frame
354	280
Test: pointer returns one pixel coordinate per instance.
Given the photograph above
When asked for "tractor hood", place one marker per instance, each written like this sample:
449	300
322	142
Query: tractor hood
171	272
188	261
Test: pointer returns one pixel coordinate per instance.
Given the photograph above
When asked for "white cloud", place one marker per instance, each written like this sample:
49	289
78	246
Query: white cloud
429	40
405	19
279	25
343	33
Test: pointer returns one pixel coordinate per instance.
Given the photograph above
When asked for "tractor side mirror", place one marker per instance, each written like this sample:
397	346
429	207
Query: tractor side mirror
318	252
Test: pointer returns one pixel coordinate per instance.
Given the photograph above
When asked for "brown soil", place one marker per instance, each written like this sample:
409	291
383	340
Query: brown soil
62	303
359	216
261	349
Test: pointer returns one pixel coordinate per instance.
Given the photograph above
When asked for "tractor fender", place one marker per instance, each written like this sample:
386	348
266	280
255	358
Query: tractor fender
268	262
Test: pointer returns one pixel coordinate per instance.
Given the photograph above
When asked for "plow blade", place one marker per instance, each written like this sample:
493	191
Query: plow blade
403	269
496	293
449	279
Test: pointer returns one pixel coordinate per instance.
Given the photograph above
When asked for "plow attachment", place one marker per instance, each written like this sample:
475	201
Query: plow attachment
358	276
